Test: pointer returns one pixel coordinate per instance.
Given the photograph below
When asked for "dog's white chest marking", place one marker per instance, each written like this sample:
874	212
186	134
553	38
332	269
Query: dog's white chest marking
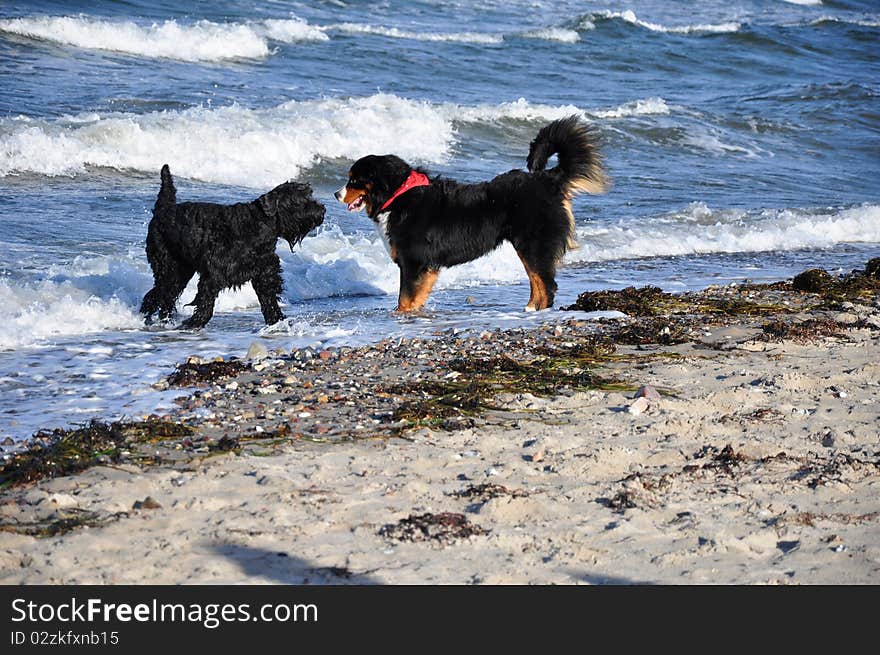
382	229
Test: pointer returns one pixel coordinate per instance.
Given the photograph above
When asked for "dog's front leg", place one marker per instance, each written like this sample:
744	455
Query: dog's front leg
204	302
415	287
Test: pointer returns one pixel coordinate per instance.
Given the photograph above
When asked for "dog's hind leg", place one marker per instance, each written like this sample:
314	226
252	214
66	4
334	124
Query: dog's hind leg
268	285
170	279
204	302
415	287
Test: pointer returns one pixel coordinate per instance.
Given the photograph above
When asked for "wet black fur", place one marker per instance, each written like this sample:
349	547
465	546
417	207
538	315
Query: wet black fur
450	223
227	245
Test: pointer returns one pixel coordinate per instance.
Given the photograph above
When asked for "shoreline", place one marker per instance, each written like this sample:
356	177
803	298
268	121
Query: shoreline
725	436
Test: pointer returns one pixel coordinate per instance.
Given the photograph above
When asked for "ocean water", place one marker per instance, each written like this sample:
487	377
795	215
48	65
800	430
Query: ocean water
742	137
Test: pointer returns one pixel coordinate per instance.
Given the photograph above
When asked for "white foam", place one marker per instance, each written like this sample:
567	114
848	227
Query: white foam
630	17
647	106
809	3
520	109
202	41
554	34
256	148
293	30
42	312
698	230
866	20
259	148
395	33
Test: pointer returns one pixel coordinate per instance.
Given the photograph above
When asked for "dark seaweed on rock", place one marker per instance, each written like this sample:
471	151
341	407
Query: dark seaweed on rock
647	301
194	373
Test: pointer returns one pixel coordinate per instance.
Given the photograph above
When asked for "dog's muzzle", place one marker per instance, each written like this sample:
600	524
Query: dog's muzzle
339	195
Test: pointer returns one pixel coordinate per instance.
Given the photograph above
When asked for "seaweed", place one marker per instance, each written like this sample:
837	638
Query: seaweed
488	490
483	378
63	452
445	528
646	301
802	332
60	524
194	372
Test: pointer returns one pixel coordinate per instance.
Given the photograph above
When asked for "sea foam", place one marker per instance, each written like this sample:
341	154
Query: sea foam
629	16
201	41
259	148
697	229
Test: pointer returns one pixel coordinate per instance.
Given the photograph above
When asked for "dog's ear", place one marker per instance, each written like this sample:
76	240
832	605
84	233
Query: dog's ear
269	203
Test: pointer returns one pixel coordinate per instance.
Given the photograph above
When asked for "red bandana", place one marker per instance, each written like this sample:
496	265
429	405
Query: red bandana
415	179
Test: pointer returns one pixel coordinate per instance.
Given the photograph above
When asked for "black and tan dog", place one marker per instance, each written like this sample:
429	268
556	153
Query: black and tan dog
432	223
227	245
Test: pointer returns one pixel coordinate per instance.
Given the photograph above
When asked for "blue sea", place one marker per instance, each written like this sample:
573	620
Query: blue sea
742	138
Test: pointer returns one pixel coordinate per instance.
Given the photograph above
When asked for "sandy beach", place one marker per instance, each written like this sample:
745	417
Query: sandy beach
679	445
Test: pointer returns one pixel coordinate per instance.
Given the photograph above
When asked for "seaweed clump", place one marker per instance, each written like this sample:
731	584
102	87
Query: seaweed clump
856	286
475	382
195	372
68	521
445	528
64	452
647	301
801	332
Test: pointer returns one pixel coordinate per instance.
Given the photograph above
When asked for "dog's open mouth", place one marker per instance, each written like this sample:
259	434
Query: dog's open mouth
357	204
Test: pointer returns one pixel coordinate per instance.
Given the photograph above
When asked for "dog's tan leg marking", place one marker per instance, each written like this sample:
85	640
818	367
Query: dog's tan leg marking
414	295
538	296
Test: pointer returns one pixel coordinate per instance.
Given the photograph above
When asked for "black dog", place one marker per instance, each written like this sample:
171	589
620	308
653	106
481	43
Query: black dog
429	224
227	245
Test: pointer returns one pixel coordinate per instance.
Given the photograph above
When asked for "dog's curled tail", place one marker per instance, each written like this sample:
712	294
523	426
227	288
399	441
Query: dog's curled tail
167	193
576	144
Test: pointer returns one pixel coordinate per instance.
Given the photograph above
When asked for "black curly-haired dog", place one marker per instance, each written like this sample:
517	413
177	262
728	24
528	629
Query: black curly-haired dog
227	245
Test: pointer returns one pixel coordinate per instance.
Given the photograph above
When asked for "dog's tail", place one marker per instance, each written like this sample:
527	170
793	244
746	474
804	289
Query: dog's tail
167	193
576	144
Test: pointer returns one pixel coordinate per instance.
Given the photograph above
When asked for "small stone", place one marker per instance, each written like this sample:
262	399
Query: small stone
147	503
232	386
63	501
257	351
8	441
647	391
846	318
263	481
639	406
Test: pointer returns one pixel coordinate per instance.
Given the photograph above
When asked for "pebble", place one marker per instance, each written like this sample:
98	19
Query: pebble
647	391
147	503
257	351
639	406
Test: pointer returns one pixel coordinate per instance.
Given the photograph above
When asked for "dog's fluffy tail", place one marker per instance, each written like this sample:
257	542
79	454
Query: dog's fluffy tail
167	194
576	144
